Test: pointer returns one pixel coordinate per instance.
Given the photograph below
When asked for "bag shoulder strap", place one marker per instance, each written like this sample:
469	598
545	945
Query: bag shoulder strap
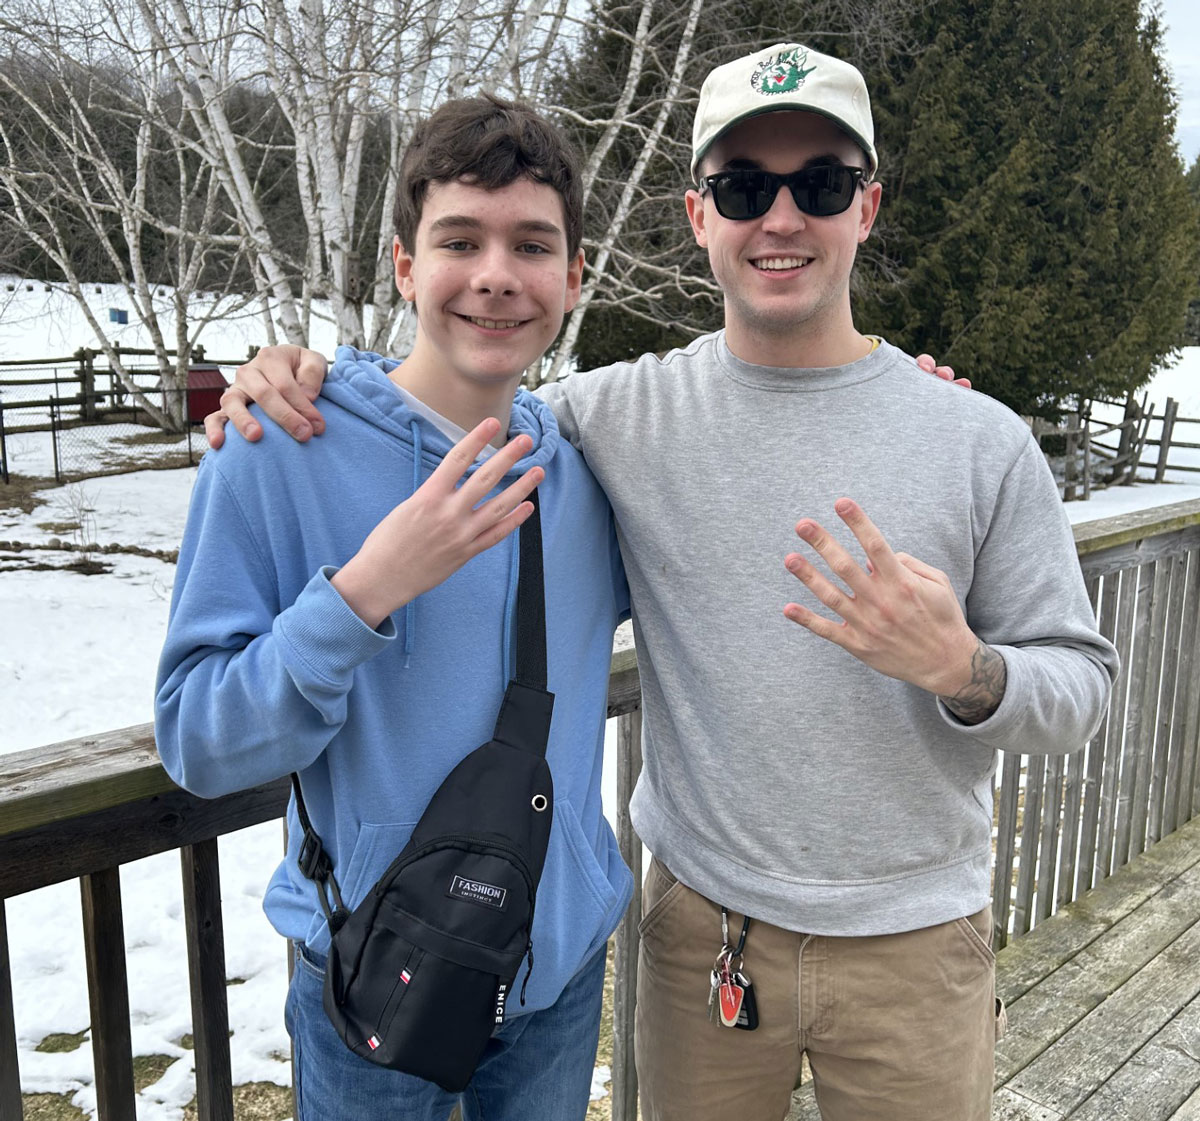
531	602
524	719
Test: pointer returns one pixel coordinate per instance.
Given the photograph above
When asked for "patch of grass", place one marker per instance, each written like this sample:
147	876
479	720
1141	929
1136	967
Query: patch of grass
254	1101
21	492
51	1107
59	527
57	1042
88	567
137	439
148	1069
187	1042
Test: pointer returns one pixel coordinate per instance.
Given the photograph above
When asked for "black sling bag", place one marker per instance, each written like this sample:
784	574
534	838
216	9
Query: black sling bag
419	972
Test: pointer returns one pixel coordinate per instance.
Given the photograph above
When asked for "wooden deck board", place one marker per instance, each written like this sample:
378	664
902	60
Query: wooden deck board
1190	1110
1010	1106
1074	1066
1104	1001
1053	1006
1156	1082
1027	960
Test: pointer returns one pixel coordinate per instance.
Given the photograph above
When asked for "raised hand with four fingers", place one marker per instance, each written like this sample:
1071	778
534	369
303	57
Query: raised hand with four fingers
899	615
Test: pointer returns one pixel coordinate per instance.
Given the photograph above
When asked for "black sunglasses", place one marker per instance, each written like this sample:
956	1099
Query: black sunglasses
744	193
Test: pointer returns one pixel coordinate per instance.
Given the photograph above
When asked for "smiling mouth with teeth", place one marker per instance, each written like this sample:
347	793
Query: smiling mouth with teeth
773	264
492	324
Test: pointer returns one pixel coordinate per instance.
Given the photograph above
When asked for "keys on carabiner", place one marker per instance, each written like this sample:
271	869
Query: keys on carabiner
730	991
731	994
720	971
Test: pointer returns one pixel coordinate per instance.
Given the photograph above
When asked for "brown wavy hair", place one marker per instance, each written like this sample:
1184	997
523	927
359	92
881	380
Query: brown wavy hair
487	142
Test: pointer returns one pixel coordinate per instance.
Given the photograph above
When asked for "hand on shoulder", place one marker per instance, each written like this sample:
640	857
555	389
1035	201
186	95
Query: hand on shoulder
283	381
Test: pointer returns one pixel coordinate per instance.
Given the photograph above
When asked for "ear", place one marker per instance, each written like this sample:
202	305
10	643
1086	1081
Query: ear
402	260
694	201
574	281
872	193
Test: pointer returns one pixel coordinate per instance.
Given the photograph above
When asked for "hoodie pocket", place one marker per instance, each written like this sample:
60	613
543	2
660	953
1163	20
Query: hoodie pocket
375	847
577	904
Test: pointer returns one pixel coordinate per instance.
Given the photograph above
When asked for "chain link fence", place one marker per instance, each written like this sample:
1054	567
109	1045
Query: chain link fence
68	419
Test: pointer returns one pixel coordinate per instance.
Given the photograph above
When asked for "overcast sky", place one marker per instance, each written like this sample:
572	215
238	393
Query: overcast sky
1182	41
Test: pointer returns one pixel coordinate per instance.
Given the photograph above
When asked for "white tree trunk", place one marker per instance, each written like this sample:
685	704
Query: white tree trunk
600	265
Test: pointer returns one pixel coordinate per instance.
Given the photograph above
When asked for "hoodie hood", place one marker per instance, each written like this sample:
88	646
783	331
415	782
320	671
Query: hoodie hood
359	383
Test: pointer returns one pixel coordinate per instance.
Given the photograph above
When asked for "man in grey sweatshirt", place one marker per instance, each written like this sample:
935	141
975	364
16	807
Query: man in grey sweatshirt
821	716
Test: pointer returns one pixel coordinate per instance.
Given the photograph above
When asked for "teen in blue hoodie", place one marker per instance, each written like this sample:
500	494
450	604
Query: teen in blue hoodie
365	639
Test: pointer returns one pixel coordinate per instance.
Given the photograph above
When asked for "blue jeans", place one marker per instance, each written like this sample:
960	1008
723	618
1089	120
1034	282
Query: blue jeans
536	1067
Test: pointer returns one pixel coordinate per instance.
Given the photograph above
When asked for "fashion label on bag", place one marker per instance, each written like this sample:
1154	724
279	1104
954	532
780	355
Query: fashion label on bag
420	972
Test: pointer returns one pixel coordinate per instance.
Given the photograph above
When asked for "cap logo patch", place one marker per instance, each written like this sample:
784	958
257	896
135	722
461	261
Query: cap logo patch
781	73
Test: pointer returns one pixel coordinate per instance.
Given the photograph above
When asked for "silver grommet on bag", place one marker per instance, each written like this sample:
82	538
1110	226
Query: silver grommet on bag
540	802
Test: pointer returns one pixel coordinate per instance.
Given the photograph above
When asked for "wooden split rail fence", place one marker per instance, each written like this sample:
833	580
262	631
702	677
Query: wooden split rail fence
1090	463
79	384
85	807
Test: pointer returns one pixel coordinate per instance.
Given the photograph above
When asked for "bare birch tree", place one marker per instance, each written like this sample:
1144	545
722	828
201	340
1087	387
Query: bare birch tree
348	77
96	153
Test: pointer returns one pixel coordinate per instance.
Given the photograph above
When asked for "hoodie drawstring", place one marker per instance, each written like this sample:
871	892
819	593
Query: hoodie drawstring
410	612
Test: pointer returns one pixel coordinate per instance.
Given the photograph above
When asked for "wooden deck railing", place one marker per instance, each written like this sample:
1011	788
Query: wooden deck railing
84	807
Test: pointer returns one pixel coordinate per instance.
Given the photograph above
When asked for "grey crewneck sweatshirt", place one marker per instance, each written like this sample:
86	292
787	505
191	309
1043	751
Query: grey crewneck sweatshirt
782	777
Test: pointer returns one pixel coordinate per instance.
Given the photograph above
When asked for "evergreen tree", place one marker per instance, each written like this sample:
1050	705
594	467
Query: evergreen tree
1192	329
1037	212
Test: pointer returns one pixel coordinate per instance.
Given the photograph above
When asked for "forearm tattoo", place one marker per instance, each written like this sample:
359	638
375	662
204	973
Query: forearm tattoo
981	696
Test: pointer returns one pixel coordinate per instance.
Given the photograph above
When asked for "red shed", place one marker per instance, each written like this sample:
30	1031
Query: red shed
205	385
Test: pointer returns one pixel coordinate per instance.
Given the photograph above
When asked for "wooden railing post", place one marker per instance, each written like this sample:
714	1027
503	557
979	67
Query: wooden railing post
1188	788
1006	848
3	448
1108	613
54	441
1151	663
625	958
108	994
1145	415
10	1077
1167	721
206	972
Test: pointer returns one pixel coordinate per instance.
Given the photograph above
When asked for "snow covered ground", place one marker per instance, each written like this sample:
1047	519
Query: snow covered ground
77	655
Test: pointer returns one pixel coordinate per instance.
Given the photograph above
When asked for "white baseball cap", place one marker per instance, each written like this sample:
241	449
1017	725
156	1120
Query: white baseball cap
785	76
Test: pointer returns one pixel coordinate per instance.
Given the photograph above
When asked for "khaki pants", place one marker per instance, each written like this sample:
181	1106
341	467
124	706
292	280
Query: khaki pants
899	1027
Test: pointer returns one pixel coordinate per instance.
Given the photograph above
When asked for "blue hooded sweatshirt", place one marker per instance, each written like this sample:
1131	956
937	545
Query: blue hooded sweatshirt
266	670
